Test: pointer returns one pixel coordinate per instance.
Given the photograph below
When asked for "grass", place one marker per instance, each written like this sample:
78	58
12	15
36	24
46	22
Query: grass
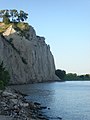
3	27
19	26
23	26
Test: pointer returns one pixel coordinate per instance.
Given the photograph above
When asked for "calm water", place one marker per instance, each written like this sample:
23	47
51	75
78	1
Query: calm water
69	100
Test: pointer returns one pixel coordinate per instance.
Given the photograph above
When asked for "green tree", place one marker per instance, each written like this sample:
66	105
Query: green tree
4	76
4	14
81	77
71	76
14	15
6	20
60	73
87	76
22	16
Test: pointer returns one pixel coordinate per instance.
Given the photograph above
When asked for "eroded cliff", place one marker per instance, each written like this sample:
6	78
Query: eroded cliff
26	56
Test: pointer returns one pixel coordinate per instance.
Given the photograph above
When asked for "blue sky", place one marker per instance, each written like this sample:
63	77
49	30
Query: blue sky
66	26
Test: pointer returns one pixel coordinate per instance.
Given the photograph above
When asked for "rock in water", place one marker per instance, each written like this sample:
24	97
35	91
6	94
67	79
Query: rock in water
26	56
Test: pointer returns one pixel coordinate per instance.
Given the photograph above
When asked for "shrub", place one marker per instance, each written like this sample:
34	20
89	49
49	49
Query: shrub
23	26
1	84
60	73
6	20
4	76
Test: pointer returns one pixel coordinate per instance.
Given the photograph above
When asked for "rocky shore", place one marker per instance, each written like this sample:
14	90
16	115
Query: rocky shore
14	106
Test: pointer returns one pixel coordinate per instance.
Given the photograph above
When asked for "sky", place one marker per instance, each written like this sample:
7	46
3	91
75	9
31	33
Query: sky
65	24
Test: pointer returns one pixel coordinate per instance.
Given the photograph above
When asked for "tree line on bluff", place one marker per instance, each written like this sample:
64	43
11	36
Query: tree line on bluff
13	16
71	76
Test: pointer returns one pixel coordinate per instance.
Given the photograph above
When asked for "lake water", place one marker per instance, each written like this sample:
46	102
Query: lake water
69	100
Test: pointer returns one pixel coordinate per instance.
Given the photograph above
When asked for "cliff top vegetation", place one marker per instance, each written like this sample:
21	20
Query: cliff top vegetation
15	18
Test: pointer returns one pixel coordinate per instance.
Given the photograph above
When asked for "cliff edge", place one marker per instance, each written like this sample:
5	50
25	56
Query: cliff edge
26	56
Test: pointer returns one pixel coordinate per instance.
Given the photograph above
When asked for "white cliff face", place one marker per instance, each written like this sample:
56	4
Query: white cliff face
29	59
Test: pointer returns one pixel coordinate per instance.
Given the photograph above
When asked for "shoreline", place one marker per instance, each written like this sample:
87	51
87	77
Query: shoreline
14	106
